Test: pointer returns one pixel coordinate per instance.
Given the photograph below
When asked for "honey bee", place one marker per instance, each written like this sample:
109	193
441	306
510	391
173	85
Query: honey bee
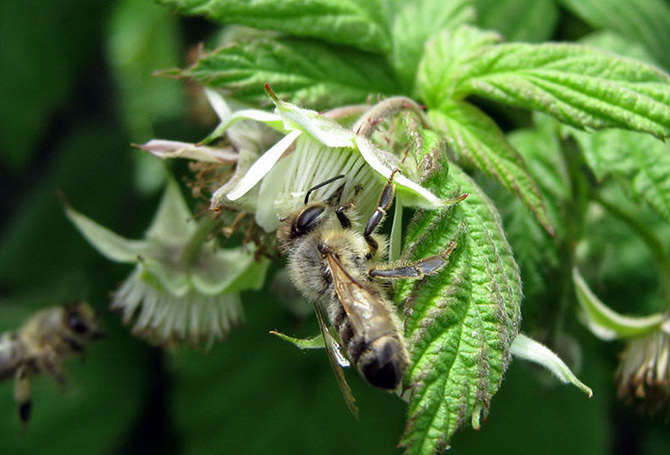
339	269
41	344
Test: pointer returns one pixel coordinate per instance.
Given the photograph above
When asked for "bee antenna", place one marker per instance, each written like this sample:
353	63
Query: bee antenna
322	184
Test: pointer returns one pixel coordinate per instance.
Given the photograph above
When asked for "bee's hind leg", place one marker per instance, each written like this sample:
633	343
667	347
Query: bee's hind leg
22	394
426	266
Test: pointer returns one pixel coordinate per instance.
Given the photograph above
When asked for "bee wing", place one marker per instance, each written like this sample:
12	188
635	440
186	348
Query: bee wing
335	356
355	298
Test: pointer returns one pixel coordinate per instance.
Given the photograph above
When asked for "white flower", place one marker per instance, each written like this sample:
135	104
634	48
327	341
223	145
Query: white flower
182	288
313	149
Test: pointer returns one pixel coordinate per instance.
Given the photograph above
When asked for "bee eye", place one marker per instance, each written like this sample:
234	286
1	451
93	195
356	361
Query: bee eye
307	220
76	324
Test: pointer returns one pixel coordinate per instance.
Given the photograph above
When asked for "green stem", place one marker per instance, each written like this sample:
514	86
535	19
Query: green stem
573	218
368	122
194	246
649	238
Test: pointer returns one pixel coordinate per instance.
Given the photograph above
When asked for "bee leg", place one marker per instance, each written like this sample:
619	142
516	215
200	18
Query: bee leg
51	364
426	266
22	394
341	214
385	201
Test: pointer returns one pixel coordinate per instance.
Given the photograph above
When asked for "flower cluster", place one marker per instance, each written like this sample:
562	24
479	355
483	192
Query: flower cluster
185	286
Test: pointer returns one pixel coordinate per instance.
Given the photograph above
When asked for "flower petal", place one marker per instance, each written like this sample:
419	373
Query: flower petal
228	271
173	222
262	166
175	149
311	163
606	323
384	164
218	103
109	244
323	129
529	349
269	118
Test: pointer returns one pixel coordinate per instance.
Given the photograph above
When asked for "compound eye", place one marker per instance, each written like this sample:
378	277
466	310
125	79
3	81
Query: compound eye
307	220
77	324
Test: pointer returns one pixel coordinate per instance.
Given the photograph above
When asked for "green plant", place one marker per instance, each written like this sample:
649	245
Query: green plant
558	145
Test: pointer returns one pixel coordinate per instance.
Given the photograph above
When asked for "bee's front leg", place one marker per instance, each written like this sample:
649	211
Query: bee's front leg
22	394
385	201
426	266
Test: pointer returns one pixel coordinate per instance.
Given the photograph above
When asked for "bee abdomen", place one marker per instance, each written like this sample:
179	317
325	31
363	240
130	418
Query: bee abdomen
384	362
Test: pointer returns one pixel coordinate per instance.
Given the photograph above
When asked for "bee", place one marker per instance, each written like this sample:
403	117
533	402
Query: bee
340	269
41	344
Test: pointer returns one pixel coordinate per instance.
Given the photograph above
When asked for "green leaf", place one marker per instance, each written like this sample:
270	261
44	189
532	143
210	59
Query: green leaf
460	323
542	151
578	85
308	73
643	21
476	140
446	62
639	163
356	23
618	44
534	249
409	38
315	342
534	20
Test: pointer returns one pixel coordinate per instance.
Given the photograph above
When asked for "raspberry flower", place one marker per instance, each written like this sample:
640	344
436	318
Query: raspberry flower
183	287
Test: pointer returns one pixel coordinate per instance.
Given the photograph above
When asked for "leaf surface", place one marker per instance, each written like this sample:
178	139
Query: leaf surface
311	74
460	323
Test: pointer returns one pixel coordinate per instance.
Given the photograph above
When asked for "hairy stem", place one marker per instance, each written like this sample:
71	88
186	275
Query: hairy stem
368	122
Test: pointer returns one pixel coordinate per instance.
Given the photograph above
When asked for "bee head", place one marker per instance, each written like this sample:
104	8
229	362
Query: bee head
301	223
307	219
82	322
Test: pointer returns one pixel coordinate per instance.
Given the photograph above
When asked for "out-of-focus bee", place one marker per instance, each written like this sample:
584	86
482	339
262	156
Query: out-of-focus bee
41	345
339	268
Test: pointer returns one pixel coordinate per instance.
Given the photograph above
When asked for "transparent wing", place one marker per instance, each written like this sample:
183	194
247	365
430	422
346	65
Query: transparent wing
356	299
336	360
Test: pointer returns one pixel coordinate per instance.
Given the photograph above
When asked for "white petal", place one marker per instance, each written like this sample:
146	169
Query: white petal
323	129
269	118
529	349
382	164
218	103
175	149
262	166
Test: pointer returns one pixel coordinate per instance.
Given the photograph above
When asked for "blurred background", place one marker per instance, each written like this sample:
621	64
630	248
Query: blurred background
76	90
